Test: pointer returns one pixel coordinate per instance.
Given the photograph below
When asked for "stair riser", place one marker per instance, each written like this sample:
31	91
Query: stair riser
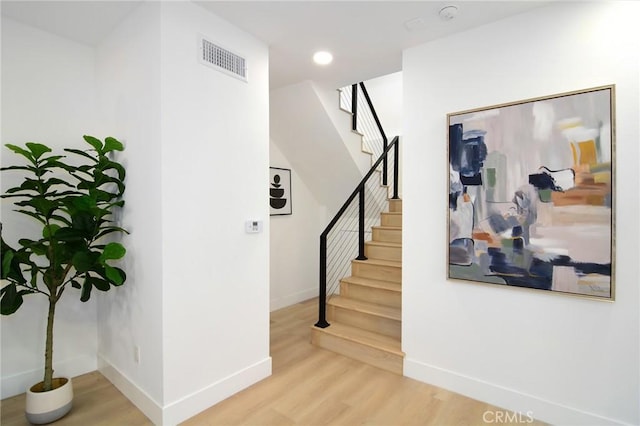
395	206
371	294
387	219
373	356
387	235
366	321
376	272
382	252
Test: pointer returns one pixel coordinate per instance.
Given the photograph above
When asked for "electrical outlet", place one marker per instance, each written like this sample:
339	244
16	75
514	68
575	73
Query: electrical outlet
136	354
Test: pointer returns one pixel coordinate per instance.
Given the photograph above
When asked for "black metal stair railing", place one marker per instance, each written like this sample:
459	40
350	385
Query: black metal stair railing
364	119
345	236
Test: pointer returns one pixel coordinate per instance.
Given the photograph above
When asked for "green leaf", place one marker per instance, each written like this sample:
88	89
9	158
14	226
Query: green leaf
101	196
34	275
115	275
56	181
118	167
109	230
50	230
94	142
99	283
38	247
53	159
42	205
82	153
83	203
37	149
68	234
84	261
7	258
60	219
11	263
112	144
86	290
27	168
85	223
30	185
112	251
21	151
75	284
11	299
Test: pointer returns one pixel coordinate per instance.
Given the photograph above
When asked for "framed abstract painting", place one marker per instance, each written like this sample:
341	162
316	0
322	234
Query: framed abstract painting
532	194
279	191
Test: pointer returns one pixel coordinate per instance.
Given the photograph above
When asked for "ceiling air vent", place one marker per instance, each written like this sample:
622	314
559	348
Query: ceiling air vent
223	60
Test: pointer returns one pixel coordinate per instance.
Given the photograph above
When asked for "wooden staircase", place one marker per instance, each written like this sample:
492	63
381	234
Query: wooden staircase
366	318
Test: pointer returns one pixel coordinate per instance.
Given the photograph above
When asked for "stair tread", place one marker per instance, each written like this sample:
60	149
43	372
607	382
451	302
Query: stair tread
365	337
381	262
383	243
370	282
367	307
387	227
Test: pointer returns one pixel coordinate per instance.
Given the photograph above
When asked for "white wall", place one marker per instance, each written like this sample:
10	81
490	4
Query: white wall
295	242
47	96
566	360
330	99
215	171
310	139
129	94
386	95
197	154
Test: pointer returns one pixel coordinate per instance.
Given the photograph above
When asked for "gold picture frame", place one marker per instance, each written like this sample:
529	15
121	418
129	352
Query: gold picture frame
532	194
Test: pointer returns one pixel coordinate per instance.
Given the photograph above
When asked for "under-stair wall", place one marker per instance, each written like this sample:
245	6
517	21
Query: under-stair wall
306	132
307	126
341	119
304	123
293	241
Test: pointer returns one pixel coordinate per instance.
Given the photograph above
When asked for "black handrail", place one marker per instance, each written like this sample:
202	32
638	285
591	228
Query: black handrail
354	107
359	191
380	129
364	118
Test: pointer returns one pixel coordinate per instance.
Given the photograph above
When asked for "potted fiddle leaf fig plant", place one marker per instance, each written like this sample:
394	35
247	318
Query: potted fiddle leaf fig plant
73	204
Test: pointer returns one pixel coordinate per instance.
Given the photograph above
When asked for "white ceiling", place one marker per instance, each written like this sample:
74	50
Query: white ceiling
365	37
87	22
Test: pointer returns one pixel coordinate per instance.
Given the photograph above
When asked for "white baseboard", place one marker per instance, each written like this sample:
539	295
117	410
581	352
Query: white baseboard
190	405
151	408
193	404
18	383
291	299
525	406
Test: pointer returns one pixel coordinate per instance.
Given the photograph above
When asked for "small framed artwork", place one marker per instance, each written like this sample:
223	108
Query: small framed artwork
279	191
532	194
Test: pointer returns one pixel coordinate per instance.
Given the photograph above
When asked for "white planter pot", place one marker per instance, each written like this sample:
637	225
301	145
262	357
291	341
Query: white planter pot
46	407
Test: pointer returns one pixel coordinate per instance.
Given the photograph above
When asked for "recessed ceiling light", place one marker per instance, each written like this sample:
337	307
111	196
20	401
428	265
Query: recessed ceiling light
322	58
447	13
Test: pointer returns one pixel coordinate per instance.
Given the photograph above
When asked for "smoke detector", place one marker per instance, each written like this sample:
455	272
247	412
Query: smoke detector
447	13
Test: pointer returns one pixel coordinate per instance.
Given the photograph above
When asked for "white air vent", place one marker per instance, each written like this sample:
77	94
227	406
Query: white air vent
222	59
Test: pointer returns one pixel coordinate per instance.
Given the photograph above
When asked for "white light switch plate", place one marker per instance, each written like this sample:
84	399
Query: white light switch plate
253	226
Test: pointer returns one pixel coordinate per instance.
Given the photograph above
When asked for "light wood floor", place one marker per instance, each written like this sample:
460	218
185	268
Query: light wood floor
309	386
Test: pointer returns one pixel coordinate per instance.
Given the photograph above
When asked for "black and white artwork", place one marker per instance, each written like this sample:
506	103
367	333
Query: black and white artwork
279	191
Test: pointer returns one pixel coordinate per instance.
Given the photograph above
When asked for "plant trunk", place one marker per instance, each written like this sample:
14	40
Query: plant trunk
48	351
